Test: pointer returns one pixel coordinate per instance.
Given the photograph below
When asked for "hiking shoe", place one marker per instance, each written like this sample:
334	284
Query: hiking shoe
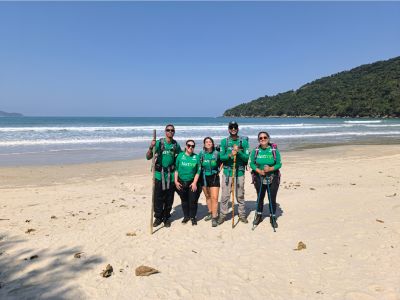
214	222
167	223
208	217
221	219
157	222
194	221
257	220
185	220
243	219
272	220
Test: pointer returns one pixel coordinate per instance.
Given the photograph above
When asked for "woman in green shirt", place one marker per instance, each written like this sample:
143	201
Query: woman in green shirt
187	172
265	162
209	180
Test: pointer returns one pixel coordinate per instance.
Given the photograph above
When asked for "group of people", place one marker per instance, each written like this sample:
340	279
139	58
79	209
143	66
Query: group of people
189	174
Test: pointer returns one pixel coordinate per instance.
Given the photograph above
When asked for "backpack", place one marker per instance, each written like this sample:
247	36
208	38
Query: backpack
274	147
241	138
161	150
215	156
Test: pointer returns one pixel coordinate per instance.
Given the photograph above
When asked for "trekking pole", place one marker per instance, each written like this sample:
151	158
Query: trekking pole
233	187
270	205
153	169
258	199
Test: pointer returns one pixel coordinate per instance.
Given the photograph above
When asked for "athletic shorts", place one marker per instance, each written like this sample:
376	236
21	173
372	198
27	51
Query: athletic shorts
212	181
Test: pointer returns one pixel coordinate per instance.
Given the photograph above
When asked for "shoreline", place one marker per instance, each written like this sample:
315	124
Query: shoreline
373	142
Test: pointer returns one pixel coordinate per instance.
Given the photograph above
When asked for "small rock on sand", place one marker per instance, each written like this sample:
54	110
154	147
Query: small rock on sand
30	230
394	195
53	217
28	221
131	234
145	271
380	221
107	272
78	255
300	246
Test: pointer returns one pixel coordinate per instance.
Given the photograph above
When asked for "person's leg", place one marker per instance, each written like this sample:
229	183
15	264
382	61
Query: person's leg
225	196
207	194
274	186
168	202
158	201
260	194
240	197
193	199
213	208
183	194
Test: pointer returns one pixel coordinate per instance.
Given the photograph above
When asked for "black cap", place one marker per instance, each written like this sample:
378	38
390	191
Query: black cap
233	124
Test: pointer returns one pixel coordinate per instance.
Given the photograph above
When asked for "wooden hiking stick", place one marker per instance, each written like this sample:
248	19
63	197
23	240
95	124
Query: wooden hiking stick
153	169
233	190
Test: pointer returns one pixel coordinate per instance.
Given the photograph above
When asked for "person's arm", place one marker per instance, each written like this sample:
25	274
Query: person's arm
278	164
149	153
176	179
253	164
178	149
196	177
223	154
244	154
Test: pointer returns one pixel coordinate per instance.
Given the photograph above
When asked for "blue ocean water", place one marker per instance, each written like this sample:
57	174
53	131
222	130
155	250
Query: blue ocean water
58	140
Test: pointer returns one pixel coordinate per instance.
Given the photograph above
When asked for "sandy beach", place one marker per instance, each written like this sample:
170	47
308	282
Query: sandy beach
61	226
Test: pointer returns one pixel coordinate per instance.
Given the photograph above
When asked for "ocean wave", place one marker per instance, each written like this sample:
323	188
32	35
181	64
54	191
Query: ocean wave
41	142
363	122
194	128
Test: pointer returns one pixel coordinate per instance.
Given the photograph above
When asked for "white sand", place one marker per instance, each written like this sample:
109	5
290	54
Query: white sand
331	199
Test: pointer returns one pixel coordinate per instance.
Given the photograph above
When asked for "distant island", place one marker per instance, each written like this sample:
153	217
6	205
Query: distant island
371	90
6	114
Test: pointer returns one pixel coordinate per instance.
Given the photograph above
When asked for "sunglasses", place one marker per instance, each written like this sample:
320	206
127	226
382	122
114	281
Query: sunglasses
190	146
263	138
169	130
233	127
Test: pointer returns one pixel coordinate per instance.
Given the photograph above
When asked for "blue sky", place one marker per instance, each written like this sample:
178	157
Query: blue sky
179	58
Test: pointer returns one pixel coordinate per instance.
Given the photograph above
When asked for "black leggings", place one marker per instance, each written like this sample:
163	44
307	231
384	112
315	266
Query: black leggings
274	186
189	199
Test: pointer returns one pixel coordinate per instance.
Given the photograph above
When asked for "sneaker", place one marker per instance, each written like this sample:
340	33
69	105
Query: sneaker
167	223
214	222
185	220
243	219
257	220
221	219
272	220
194	221
208	217
157	222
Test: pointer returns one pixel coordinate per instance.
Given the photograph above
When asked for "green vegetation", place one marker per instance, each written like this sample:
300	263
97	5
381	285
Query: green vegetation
371	90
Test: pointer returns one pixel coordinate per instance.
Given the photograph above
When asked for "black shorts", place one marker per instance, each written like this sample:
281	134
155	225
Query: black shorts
212	181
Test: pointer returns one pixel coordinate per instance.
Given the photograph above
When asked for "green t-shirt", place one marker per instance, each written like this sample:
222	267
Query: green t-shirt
167	157
242	156
265	157
187	166
209	162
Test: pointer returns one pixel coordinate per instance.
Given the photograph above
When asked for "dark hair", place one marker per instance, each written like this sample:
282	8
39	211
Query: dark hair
191	141
169	125
261	132
212	141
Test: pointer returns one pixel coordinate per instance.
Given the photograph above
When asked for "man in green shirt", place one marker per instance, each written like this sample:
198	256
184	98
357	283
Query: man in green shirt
232	146
166	149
